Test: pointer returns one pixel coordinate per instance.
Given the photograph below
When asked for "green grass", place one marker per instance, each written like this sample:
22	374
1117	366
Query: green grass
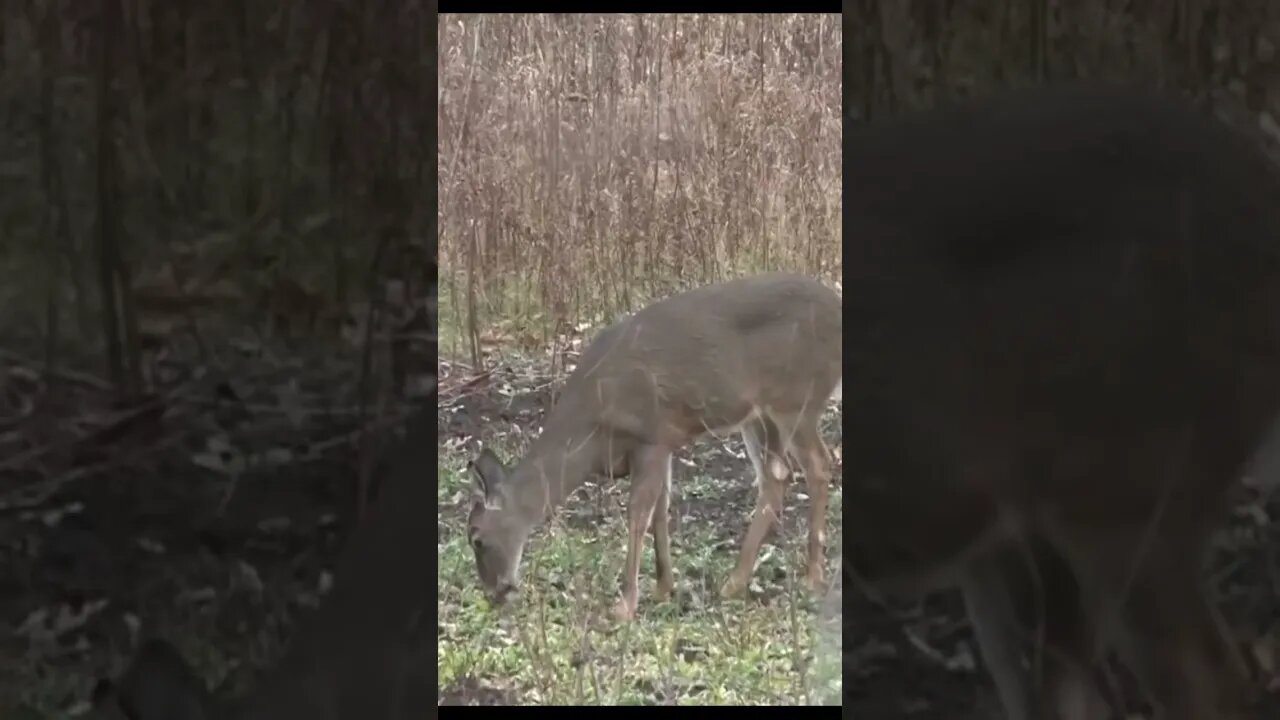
558	644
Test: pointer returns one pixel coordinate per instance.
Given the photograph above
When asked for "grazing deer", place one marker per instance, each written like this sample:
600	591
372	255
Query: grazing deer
1065	349
759	354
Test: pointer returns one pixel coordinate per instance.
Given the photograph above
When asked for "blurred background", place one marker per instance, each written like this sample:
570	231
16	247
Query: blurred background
909	55
217	258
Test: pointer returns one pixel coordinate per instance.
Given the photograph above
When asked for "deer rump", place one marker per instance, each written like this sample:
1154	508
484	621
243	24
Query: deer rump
1063	315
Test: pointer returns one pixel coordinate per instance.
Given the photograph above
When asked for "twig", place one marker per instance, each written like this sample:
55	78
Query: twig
925	648
74	376
39	493
21	460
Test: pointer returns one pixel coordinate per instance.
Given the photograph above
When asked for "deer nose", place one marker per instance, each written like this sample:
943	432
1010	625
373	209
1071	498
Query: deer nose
502	593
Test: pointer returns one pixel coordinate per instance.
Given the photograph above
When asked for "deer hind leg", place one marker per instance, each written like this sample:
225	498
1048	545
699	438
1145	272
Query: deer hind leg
807	447
650	476
1180	649
1069	646
1144	571
1169	633
998	630
1033	633
661	538
764	447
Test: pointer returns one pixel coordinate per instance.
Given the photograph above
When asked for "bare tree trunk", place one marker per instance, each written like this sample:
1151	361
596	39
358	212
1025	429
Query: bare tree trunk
107	239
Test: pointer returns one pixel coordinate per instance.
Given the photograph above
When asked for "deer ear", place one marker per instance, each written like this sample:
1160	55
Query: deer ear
488	474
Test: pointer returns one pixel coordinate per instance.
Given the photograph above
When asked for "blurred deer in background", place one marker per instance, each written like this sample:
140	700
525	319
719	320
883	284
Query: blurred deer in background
1064	315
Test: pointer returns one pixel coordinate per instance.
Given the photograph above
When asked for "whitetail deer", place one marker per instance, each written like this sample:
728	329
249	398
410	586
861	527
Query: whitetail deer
760	354
363	655
1065	349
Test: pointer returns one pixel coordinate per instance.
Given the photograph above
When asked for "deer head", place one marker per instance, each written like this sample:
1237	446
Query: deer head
496	528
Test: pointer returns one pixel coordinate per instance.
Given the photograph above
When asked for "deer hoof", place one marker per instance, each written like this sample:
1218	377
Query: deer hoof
732	587
815	582
624	611
664	588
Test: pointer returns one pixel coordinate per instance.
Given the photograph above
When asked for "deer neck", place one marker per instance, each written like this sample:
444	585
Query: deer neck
557	464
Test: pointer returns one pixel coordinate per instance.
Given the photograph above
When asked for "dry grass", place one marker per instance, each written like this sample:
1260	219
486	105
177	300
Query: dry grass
590	162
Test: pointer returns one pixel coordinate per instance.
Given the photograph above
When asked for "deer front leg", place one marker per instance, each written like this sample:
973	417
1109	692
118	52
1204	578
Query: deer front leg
650	470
